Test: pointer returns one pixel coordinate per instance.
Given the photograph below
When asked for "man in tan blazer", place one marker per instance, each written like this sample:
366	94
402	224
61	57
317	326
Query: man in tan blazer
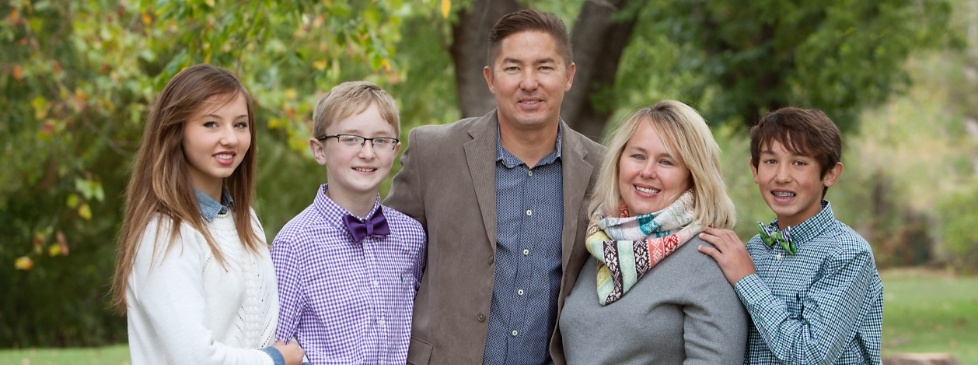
503	198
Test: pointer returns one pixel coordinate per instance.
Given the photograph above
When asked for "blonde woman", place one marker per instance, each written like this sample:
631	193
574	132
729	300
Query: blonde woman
646	296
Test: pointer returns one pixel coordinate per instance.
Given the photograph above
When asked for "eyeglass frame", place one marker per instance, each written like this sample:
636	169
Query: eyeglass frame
363	143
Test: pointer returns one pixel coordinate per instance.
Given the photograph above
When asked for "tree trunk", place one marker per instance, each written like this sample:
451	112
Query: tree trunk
469	48
598	44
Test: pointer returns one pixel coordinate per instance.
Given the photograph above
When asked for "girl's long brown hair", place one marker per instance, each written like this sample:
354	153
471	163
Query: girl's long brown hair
160	181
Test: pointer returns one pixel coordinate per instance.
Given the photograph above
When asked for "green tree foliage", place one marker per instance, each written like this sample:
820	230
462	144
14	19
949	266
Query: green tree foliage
76	81
957	213
958	217
57	188
732	60
735	60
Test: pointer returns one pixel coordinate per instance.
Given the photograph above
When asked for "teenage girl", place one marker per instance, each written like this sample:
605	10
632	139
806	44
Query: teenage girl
194	275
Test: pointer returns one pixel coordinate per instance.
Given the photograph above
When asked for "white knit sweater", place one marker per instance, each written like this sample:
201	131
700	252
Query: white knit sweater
184	307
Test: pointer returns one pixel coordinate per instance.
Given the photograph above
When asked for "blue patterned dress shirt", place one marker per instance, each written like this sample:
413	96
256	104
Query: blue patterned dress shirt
530	219
822	305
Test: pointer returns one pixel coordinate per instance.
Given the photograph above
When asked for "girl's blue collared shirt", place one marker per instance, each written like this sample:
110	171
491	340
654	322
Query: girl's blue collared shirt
209	208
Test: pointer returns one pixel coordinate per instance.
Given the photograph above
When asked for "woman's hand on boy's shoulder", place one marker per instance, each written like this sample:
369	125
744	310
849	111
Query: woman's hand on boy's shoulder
729	252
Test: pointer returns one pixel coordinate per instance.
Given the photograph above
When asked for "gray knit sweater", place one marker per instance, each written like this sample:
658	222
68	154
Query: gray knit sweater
682	312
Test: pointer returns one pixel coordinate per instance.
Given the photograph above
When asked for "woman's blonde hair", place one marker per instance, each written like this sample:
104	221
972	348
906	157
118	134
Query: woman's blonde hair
688	139
160	181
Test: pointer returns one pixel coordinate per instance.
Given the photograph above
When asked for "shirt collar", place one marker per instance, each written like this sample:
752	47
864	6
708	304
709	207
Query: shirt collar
335	211
811	227
510	161
209	208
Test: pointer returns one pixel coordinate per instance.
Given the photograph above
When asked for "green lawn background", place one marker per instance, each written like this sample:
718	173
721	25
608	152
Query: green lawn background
924	311
927	311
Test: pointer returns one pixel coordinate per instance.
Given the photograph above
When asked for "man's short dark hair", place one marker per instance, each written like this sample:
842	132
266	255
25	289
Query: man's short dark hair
530	20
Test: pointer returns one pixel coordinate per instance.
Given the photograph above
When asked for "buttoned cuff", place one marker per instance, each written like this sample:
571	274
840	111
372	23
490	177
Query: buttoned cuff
275	354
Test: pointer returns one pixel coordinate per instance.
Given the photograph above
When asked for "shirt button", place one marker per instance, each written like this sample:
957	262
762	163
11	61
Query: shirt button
530	173
514	333
778	256
526	252
481	317
376	283
529	212
381	322
519	292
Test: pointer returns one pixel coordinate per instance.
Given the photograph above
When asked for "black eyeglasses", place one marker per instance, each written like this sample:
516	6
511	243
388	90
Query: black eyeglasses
352	141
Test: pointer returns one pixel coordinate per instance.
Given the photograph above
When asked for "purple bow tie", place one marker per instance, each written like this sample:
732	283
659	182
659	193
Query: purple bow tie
376	225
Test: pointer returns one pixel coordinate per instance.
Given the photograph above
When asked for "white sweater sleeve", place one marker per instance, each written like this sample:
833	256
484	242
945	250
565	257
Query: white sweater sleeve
166	303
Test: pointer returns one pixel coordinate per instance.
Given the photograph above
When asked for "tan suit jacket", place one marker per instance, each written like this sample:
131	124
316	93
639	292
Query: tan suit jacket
448	183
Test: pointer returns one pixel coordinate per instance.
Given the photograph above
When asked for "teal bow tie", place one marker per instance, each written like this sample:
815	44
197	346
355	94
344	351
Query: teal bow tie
782	238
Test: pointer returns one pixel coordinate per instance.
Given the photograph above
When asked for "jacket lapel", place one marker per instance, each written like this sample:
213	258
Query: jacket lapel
480	155
576	176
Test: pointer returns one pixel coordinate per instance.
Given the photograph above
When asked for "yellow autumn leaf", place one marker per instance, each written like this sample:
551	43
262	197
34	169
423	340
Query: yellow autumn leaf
40	107
85	212
298	143
72	201
446	7
23	263
147	20
81	95
54	250
319	65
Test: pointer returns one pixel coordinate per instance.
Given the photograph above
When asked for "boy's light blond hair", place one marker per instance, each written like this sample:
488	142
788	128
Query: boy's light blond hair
351	98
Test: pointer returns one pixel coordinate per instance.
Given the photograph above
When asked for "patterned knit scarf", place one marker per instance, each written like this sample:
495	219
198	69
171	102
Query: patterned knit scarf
628	247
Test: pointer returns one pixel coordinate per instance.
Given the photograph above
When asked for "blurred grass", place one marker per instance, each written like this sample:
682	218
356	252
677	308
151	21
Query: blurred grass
929	311
924	311
110	355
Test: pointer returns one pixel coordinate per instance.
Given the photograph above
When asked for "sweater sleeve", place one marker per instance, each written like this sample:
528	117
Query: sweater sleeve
714	321
167	299
826	318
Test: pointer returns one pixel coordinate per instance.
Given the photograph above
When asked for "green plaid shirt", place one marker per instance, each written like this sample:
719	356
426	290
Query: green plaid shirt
823	305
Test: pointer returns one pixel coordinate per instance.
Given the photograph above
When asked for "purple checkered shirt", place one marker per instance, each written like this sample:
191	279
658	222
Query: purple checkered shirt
347	303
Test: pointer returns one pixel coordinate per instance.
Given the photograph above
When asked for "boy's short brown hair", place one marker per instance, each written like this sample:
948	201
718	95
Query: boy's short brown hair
807	132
